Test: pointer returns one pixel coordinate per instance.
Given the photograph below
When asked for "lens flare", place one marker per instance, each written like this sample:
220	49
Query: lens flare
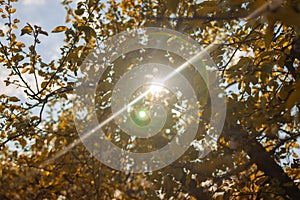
143	96
155	89
90	129
142	114
141	117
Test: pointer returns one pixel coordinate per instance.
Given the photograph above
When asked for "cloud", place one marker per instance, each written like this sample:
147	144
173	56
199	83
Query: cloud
10	90
34	2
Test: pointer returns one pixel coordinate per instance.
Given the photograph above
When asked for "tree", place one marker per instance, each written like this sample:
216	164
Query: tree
257	153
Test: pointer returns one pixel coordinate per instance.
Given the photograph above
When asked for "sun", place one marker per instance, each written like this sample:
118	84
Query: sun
154	89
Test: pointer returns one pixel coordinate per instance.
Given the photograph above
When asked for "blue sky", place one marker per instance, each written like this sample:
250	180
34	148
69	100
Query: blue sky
45	13
48	14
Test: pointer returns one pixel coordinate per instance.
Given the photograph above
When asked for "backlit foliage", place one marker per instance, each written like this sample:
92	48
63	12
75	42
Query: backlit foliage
259	57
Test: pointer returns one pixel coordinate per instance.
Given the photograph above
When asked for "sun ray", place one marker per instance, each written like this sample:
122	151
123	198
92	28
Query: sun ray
203	52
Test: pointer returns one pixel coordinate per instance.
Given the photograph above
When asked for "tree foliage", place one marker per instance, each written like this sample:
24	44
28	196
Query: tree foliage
258	153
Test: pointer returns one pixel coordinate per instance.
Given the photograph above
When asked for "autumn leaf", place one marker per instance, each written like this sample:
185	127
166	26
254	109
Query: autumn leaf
59	29
79	11
89	32
14	99
24	70
256	156
26	30
43	32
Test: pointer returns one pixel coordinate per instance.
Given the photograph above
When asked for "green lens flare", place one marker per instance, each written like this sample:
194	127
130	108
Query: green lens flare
142	114
141	117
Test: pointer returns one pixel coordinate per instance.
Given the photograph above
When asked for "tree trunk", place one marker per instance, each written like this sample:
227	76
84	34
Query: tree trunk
266	163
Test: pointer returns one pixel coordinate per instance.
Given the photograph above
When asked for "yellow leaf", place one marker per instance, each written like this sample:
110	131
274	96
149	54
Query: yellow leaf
24	70
14	99
31	70
13	10
26	30
22	142
295	145
47	173
44	84
16	21
89	32
59	29
20	44
79	11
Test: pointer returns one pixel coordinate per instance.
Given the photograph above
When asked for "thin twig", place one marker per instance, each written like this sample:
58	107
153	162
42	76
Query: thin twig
282	142
239	46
